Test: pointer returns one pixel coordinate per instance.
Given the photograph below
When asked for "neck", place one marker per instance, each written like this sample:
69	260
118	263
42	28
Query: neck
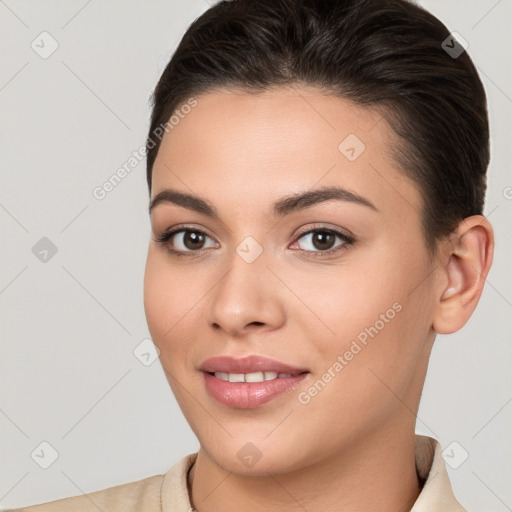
378	472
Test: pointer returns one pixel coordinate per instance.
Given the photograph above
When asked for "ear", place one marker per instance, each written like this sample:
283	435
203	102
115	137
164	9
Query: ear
466	261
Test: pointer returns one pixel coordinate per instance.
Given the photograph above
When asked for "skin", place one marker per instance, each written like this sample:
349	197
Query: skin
351	447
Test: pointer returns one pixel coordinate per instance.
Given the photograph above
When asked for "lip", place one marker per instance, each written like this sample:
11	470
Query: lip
248	395
248	364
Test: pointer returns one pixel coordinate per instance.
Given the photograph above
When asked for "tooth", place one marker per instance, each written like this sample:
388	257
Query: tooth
254	377
250	377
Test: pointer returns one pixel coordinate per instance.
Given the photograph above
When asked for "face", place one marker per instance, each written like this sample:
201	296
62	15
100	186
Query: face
336	286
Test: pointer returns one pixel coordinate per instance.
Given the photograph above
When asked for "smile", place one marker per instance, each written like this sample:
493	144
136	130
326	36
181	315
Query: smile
251	377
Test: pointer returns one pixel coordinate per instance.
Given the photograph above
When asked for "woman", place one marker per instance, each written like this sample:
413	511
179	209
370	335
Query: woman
317	173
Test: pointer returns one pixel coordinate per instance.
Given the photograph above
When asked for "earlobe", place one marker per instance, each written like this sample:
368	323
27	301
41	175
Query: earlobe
464	274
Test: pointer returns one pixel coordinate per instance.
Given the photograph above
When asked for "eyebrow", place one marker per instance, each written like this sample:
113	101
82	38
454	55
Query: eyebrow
280	208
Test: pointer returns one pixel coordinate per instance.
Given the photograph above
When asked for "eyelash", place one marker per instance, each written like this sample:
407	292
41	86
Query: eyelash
166	236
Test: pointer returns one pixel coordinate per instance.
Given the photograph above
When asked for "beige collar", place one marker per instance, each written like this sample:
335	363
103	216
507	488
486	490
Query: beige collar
436	494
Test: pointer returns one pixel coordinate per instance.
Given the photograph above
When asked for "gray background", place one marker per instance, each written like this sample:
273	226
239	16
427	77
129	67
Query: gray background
70	325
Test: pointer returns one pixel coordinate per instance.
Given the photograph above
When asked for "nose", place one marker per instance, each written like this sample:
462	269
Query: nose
248	297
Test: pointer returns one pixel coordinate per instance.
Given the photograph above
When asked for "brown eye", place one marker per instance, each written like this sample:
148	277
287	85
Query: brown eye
184	241
323	241
193	240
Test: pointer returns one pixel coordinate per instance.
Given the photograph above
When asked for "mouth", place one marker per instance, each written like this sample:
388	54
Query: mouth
253	376
248	365
249	382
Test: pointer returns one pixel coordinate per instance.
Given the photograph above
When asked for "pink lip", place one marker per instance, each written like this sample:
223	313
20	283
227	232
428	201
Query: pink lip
247	364
248	395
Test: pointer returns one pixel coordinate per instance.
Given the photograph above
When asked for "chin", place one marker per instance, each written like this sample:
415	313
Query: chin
253	458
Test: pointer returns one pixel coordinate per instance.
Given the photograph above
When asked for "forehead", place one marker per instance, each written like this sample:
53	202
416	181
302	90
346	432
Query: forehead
281	141
288	120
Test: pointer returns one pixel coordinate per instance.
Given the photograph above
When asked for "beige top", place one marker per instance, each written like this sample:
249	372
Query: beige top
168	492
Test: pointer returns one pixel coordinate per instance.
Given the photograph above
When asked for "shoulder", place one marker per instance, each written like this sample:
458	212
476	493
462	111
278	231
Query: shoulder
148	495
133	496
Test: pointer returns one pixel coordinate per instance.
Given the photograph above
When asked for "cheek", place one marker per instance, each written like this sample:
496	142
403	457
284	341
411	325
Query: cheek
173	307
351	302
155	300
164	299
374	321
